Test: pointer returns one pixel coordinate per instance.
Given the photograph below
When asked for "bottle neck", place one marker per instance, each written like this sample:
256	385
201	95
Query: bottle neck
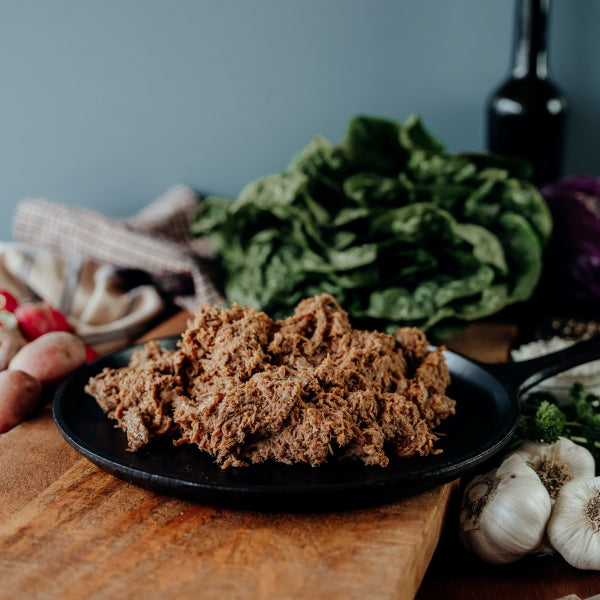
530	55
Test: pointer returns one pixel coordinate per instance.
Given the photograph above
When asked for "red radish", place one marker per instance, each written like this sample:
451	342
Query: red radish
8	301
37	318
90	354
8	321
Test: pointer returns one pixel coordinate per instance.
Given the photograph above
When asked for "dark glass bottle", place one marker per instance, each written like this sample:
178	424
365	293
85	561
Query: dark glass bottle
526	115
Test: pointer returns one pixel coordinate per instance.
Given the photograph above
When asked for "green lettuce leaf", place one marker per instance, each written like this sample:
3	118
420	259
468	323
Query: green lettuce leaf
399	231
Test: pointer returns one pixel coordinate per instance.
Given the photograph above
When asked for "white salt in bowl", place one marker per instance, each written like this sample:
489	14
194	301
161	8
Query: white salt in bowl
560	385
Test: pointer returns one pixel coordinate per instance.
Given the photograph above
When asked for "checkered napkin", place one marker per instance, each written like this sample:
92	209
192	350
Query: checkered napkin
90	266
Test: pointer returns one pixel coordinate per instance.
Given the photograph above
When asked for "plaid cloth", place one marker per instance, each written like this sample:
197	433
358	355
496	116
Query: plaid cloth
87	265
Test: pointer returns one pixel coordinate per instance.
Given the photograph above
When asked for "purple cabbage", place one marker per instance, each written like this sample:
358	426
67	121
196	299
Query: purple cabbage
575	253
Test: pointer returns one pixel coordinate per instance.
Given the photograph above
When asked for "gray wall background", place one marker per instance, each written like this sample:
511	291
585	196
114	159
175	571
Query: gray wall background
107	103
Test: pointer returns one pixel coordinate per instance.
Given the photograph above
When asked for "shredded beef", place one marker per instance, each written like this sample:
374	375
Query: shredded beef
247	389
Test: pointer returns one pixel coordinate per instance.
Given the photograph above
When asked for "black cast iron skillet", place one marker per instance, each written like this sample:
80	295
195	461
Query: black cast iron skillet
487	412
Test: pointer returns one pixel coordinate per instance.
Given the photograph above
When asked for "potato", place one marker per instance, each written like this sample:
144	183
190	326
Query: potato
20	396
51	357
11	342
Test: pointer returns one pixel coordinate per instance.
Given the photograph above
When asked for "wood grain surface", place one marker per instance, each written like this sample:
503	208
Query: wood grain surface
71	531
108	538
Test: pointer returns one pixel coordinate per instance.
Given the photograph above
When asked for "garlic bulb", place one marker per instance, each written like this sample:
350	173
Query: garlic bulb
574	527
557	463
504	513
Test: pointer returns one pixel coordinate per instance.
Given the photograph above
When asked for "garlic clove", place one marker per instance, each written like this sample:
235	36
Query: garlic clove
558	463
574	526
504	513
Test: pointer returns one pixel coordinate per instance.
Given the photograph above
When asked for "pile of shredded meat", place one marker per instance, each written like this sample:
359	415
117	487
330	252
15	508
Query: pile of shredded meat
248	389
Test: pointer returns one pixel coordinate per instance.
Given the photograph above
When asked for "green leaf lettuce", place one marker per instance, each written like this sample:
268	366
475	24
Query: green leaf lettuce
399	231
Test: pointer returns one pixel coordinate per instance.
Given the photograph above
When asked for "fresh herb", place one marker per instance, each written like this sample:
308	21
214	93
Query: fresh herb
399	231
543	419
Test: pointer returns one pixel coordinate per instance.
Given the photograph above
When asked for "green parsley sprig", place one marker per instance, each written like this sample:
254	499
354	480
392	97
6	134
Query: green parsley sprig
543	419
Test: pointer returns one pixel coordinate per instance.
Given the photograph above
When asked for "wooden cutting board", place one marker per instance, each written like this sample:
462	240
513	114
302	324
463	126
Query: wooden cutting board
70	531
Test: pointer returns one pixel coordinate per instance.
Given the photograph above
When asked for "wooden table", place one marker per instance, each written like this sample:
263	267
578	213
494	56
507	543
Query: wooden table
70	531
